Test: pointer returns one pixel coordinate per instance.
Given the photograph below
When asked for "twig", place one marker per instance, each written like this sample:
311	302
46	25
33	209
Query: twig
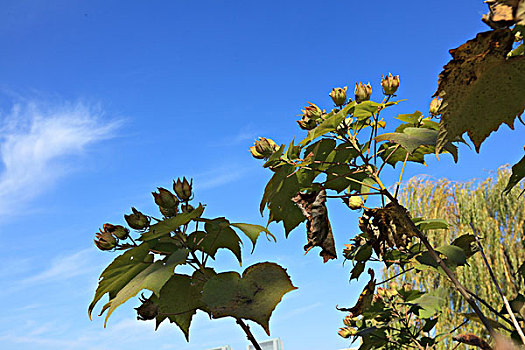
494	311
505	301
396	275
459	287
249	334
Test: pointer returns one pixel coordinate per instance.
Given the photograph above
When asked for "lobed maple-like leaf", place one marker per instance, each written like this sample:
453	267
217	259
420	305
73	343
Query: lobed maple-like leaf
481	88
252	296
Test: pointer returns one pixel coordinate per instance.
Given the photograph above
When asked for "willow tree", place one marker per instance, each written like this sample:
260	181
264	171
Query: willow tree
501	218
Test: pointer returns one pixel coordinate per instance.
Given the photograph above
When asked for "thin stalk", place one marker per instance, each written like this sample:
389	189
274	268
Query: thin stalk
249	334
401	175
505	301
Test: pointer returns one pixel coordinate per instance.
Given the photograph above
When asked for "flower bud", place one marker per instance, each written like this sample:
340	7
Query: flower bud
147	311
390	84
265	146
355	202
338	95
117	230
362	92
137	220
346	332
255	154
435	106
183	188
105	241
306	123
312	111
165	198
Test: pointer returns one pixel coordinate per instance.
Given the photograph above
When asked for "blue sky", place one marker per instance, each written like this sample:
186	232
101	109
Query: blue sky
103	101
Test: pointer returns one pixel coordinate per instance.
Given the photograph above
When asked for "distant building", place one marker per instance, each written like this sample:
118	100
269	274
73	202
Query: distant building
227	347
272	344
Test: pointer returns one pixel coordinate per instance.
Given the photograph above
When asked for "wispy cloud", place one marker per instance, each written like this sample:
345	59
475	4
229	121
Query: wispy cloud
220	176
64	267
35	143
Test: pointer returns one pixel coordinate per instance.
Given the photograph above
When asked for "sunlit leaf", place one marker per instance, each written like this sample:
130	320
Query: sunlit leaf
252	296
518	173
253	231
481	88
122	270
153	277
166	226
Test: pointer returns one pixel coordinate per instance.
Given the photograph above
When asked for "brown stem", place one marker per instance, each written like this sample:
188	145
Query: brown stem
249	334
451	276
505	301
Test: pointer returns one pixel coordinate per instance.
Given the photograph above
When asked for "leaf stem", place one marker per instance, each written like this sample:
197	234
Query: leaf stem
249	333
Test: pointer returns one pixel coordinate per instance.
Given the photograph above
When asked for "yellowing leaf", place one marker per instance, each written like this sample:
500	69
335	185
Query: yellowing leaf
481	88
122	270
153	277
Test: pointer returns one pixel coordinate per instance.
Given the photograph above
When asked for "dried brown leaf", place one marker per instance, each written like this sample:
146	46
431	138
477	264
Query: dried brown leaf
365	298
472	339
318	229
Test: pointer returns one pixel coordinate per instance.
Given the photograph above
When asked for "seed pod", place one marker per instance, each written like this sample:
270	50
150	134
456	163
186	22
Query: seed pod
117	230
435	106
105	241
137	220
338	95
390	84
312	111
148	310
165	198
362	92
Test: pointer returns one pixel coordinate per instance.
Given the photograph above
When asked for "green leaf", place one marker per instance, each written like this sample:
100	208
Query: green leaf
429	324
180	298
218	235
411	138
518	51
329	124
253	296
284	185
275	158
366	109
153	277
318	153
518	173
455	255
412	118
166	226
253	231
122	270
466	242
357	270
429	304
433	224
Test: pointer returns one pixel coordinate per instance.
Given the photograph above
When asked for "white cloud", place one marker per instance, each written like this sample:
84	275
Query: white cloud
65	267
35	143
